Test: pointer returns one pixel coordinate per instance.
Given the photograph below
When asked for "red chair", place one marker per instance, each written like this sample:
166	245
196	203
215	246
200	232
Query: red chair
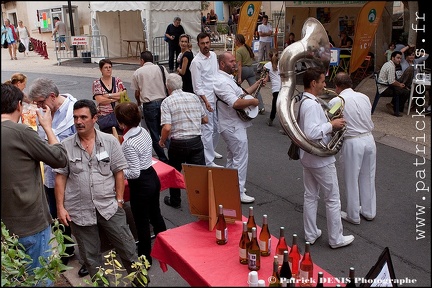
361	72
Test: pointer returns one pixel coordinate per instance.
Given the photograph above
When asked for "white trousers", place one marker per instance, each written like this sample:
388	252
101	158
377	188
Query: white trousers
358	159
210	137
323	180
237	152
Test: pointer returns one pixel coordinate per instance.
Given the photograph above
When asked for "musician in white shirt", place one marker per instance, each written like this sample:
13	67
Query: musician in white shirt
358	156
231	127
319	173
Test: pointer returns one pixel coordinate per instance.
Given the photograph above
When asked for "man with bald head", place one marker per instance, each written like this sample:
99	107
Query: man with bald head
231	127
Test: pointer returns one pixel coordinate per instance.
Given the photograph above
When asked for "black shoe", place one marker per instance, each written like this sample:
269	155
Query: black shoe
83	271
168	202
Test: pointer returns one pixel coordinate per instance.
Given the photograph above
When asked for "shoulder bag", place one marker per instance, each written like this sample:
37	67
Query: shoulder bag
164	79
294	149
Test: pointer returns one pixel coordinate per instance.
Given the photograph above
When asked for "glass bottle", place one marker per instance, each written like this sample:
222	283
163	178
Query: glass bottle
352	282
285	270
254	253
251	222
221	228
320	280
294	258
306	268
281	246
243	245
265	238
274	280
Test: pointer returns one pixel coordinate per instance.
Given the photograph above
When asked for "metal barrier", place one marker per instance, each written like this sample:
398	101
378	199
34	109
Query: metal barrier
86	47
160	50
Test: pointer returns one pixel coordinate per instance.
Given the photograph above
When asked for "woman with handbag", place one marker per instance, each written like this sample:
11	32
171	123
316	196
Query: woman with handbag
24	36
107	91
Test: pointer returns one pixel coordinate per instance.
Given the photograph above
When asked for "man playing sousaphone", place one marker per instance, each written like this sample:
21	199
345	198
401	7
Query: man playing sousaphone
231	127
319	172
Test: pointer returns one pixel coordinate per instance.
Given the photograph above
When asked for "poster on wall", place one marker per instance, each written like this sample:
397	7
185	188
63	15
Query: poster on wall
347	24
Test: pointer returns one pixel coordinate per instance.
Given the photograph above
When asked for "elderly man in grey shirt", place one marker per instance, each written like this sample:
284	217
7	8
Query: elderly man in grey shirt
89	190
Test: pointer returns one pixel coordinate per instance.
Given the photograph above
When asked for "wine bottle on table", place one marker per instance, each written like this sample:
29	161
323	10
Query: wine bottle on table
274	280
320	280
243	245
281	246
352	282
254	253
285	271
294	257
265	238
251	222
221	228
306	268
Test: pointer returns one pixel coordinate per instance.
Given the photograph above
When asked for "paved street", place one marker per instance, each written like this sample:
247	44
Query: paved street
403	209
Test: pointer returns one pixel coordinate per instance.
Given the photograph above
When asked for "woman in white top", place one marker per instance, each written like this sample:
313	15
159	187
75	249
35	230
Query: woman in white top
273	75
24	36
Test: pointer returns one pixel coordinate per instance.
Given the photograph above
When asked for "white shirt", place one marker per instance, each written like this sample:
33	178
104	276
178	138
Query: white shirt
316	127
275	79
227	89
265	28
203	70
357	112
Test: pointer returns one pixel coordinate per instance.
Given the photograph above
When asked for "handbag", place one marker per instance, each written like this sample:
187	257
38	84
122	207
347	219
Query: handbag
124	97
21	48
5	44
106	122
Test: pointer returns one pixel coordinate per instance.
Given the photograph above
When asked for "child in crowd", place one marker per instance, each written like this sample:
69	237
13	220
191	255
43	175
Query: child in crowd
389	51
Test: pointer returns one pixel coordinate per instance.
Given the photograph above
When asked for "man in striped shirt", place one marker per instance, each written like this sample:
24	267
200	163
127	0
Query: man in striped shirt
181	117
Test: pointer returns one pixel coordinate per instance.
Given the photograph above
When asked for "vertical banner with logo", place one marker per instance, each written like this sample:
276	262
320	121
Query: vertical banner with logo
248	19
365	30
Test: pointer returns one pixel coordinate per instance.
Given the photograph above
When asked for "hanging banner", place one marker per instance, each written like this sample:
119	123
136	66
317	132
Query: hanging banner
248	19
365	30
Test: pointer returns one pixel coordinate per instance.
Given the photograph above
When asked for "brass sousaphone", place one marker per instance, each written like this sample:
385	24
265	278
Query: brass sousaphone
313	49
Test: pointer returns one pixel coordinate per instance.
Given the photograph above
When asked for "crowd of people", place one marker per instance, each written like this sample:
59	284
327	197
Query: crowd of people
186	110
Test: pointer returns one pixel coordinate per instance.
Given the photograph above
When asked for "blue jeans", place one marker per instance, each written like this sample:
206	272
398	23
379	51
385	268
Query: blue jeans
152	117
37	245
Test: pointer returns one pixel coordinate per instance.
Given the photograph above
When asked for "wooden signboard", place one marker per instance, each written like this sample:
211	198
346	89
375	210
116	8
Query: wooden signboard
207	187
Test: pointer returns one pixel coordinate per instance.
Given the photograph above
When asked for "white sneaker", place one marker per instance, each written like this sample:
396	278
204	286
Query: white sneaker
345	217
318	236
216	165
346	241
246	199
217	155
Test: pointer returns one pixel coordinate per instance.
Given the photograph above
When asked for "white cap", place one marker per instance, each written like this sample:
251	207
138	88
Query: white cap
253	279
261	283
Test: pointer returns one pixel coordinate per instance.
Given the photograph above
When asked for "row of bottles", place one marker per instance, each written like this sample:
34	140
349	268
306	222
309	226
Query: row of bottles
288	265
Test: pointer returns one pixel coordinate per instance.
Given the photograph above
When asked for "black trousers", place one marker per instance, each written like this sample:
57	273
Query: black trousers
173	49
399	97
144	201
189	151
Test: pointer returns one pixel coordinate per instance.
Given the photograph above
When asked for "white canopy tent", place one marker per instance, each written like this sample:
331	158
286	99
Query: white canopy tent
143	20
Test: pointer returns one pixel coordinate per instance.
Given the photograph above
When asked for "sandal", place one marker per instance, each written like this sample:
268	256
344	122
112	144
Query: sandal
15	58
11	58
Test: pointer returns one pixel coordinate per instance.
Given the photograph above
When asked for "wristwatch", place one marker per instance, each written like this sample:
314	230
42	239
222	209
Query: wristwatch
121	201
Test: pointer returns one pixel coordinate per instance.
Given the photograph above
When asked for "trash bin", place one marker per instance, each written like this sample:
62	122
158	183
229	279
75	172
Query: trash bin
86	56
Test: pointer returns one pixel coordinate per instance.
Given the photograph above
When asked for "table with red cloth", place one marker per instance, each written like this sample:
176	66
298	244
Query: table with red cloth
168	176
192	251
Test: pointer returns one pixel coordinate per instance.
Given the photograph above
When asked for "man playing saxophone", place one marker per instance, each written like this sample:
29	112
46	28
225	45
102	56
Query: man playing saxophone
358	152
319	172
